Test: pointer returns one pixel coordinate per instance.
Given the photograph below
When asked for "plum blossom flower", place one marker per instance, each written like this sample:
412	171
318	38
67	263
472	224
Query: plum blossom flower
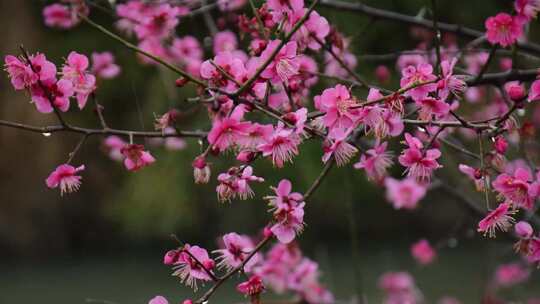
288	211
527	9
421	73
226	132
404	194
235	250
282	145
235	183
225	41
284	65
503	29
158	300
420	164
190	263
375	162
431	107
284	7
500	218
25	74
157	21
523	230
289	222
103	65
534	92
75	70
135	157
64	16
52	93
201	170
221	68
399	288
511	274
515	91
422	252
113	145
66	177
253	286
338	106
230	5
336	145
450	83
515	189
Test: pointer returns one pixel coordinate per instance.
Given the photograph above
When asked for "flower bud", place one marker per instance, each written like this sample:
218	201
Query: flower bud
188	301
180	82
382	73
501	145
515	91
246	156
523	230
201	170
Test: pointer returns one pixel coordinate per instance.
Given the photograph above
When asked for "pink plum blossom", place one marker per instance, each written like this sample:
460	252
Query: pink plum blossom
528	9
25	74
103	65
404	194
284	65
413	75
75	70
234	184
338	106
511	274
226	132
336	146
500	218
201	170
235	250
503	29
523	230
158	300
190	263
534	93
515	189
422	252
51	94
420	164
66	177
135	157
253	286
113	145
282	145
376	162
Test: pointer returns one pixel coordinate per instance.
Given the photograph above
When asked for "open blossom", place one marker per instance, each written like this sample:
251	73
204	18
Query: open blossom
288	211
253	286
315	29
422	252
223	67
431	107
297	118
51	93
66	177
284	7
64	16
234	184
404	194
375	162
226	132
511	274
503	29
282	145
515	189
157	21
225	41
534	92
289	222
135	157
158	300
420	164
189	266
500	218
336	145
450	83
230	5
527	9
413	75
25	74
75	70
103	65
338	106
399	288
235	250
284	65
113	146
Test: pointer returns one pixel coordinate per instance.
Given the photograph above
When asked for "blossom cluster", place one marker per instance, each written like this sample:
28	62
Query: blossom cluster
286	48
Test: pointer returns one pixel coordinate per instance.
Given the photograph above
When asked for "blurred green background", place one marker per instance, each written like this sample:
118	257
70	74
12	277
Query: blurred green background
107	240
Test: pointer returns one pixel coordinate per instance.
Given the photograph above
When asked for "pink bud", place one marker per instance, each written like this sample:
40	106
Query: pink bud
199	162
501	145
515	91
246	156
523	230
267	232
382	73
505	64
170	257
188	301
180	82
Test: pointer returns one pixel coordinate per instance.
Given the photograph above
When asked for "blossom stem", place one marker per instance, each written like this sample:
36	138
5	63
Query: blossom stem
329	164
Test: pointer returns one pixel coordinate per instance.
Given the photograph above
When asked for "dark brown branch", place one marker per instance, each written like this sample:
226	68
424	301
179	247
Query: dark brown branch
412	20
